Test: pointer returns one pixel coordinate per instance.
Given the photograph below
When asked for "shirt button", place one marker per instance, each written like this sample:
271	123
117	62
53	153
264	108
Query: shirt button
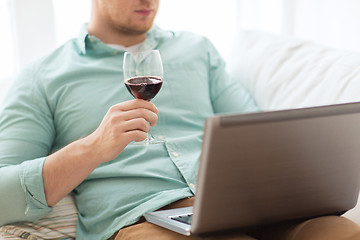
192	186
175	154
161	137
115	52
92	40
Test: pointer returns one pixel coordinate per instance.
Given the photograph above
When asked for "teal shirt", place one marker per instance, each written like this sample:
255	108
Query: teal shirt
64	96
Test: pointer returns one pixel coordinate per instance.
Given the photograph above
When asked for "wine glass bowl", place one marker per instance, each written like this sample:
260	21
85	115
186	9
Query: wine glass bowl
143	77
144	87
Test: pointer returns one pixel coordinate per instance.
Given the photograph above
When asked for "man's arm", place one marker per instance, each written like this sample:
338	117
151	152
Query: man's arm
26	136
227	94
30	180
68	167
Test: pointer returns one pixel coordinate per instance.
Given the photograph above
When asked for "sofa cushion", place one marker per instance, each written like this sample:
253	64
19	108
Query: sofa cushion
285	72
58	224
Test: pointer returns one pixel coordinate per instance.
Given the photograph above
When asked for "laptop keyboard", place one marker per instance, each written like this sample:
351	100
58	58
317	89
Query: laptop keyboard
183	218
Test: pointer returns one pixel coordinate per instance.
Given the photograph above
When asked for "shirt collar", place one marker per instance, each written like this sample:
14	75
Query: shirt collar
88	44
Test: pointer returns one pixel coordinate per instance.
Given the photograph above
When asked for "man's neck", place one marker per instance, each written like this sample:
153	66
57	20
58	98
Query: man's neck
112	36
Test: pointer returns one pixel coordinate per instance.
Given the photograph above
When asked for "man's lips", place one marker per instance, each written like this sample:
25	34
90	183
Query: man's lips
144	12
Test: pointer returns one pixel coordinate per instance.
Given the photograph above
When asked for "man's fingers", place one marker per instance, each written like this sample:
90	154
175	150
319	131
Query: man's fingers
135	104
129	120
135	135
148	115
138	124
136	129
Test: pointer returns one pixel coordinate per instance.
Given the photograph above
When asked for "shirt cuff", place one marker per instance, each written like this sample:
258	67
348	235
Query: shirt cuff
32	183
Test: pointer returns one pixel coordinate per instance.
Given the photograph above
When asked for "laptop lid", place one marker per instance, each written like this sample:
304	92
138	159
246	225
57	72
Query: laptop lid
272	166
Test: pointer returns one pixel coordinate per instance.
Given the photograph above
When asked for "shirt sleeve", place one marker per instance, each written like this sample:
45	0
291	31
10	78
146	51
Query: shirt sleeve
227	94
26	136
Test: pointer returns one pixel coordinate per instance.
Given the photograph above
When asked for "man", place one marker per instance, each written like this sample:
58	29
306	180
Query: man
67	122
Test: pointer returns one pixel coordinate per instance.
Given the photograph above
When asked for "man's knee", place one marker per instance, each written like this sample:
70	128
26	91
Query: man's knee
325	228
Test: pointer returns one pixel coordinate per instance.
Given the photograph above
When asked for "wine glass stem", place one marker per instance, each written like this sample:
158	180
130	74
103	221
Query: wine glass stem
149	136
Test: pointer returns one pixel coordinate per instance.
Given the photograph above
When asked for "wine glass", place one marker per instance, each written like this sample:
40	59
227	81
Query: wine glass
143	77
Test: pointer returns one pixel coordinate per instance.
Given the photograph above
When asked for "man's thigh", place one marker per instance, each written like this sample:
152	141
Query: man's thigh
322	228
150	231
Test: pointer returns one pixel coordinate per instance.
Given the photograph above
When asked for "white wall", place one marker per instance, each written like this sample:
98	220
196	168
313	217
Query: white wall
28	32
332	22
261	15
38	26
69	16
34	31
212	18
7	56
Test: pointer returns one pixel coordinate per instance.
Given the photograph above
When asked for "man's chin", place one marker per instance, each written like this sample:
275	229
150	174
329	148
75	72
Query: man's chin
135	30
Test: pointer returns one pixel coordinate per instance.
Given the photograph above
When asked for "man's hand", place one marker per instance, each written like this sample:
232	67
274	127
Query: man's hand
123	123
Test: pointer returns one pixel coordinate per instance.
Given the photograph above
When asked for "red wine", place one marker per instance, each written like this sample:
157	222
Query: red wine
144	87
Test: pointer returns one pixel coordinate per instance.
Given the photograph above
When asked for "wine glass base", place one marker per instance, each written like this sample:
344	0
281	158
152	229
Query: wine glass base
148	142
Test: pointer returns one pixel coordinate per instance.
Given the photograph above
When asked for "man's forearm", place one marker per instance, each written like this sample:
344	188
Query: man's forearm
123	123
65	169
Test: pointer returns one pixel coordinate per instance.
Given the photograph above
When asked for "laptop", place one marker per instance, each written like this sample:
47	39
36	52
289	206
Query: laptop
262	168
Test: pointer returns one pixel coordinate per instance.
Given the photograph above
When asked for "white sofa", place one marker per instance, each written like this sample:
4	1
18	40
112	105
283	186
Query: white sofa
284	72
281	72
